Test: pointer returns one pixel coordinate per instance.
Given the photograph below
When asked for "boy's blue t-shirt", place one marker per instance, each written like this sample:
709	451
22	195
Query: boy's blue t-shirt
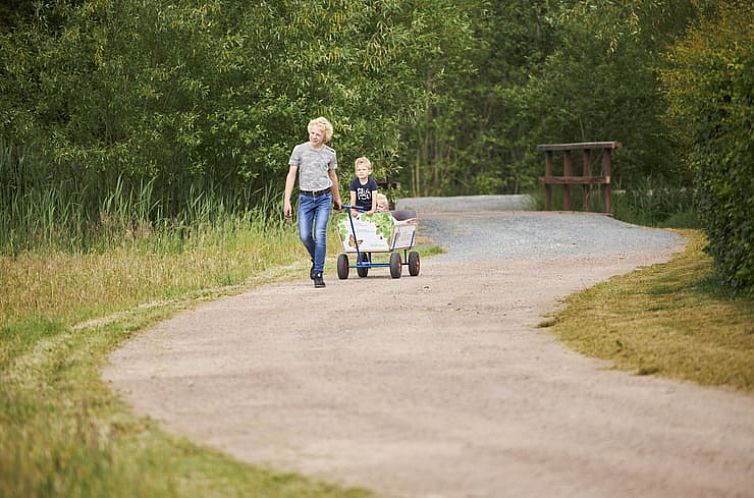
364	192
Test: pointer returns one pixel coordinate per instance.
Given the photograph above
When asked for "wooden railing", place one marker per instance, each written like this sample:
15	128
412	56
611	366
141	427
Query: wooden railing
586	180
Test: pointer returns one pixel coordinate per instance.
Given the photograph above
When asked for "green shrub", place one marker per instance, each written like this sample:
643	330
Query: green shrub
710	87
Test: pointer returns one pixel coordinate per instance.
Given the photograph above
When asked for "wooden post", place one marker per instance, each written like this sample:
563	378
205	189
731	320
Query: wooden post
607	167
567	171
548	174
587	172
586	179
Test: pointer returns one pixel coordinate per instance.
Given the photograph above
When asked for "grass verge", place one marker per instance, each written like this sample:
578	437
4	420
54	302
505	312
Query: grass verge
669	319
62	432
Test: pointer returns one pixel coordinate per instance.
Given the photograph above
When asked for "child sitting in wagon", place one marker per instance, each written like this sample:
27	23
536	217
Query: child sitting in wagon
383	206
363	188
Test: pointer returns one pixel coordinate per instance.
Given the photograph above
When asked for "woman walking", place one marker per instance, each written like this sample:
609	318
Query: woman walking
316	165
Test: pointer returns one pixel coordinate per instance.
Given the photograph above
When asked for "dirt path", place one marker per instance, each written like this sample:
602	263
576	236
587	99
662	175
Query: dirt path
441	386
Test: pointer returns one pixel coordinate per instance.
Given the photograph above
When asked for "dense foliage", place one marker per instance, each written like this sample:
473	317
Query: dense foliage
121	113
711	87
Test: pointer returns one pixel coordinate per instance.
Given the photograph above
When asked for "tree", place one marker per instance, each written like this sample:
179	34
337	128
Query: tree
710	88
601	83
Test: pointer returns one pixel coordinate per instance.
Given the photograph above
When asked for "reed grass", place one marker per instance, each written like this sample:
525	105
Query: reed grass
82	269
59	209
656	203
64	434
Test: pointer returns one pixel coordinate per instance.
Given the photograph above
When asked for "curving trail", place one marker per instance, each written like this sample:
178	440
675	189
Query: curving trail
439	385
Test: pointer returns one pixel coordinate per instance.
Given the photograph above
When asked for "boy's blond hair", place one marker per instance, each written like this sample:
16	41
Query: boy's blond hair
363	160
324	125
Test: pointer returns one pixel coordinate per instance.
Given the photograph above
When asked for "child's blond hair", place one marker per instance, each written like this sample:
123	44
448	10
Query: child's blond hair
363	160
382	199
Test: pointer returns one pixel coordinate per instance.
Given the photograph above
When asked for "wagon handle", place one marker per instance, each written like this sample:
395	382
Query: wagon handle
348	206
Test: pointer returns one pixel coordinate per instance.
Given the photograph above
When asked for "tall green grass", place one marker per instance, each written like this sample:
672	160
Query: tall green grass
656	203
62	432
85	265
45	208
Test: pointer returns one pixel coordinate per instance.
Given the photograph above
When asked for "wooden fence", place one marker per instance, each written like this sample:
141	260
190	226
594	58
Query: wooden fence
586	180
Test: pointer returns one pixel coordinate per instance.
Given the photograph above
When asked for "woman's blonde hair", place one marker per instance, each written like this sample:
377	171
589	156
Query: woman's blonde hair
323	124
363	160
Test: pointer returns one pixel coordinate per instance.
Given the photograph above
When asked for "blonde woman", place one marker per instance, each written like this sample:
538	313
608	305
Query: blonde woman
316	165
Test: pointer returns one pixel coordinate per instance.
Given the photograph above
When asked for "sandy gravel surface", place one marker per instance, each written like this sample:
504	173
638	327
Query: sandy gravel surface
440	385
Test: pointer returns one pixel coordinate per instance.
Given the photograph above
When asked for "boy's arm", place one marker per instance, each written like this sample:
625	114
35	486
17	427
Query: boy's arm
353	203
374	202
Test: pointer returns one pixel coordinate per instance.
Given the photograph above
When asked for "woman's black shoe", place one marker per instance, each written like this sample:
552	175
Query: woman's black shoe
318	280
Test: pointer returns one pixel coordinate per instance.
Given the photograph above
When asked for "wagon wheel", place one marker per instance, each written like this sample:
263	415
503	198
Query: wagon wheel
414	264
362	272
342	266
396	266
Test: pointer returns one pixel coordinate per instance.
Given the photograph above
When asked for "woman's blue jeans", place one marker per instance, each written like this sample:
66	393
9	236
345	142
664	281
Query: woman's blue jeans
313	215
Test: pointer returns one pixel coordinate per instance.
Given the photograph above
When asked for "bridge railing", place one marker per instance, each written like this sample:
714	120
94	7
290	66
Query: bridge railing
586	180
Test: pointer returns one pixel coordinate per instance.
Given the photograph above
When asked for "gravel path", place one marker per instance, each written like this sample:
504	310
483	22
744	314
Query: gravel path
499	236
440	385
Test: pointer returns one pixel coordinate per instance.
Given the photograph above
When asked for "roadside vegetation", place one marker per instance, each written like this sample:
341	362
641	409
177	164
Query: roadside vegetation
673	319
677	319
63	433
142	145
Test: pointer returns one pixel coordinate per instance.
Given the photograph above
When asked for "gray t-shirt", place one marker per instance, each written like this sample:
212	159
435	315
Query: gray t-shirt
313	166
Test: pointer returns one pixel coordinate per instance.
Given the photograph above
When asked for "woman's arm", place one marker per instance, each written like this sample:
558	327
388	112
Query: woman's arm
290	179
335	188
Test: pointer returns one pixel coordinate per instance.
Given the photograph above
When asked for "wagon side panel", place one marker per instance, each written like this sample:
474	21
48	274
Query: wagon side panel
373	233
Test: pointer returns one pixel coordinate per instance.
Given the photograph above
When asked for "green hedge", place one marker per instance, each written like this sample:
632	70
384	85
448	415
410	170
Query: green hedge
711	90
